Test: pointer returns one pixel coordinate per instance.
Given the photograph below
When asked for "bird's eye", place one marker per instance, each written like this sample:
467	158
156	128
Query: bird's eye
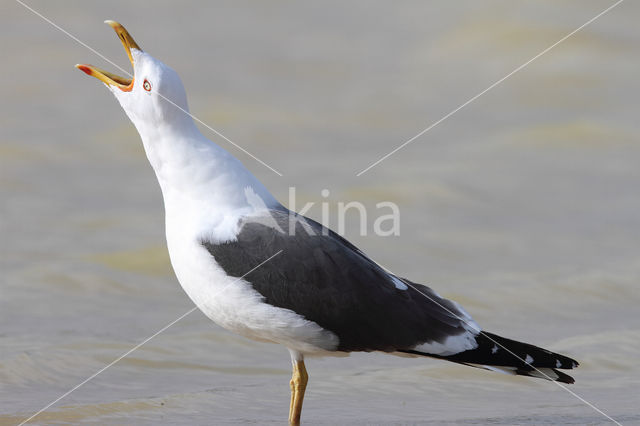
146	85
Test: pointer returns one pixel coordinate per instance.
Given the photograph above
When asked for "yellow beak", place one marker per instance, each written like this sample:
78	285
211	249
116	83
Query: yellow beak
123	83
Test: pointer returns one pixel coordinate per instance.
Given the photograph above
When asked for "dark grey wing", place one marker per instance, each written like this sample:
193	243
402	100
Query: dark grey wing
326	279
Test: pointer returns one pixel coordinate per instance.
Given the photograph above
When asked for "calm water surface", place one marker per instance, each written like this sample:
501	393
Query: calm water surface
524	206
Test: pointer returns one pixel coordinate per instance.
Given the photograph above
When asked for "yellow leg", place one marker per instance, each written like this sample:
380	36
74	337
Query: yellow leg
298	383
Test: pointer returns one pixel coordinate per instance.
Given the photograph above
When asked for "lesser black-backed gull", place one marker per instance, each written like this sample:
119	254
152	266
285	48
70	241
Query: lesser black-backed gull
258	269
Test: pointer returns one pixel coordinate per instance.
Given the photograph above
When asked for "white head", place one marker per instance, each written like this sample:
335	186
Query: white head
154	97
188	165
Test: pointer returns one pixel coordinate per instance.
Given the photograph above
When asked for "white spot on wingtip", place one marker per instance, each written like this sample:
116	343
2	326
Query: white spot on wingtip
502	370
558	363
528	359
494	349
399	284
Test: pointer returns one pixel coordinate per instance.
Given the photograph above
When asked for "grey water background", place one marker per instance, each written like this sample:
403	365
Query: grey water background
524	206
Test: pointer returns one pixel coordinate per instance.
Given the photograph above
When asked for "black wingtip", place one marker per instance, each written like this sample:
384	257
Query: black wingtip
564	378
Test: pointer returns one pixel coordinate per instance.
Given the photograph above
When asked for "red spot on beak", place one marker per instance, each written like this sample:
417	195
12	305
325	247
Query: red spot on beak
85	69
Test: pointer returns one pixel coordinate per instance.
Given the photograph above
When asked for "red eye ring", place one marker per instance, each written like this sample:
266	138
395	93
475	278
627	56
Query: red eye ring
146	85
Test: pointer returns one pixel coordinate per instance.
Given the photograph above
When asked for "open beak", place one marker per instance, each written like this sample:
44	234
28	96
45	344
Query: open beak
123	83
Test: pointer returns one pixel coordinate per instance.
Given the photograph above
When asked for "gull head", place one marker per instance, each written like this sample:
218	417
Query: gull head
153	95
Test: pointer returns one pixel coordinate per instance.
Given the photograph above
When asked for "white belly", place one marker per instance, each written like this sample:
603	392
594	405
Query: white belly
233	304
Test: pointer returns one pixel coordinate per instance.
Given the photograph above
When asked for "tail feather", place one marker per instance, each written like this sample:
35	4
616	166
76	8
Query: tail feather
508	356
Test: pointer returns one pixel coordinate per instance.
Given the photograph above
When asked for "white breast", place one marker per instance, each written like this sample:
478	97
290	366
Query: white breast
232	303
205	192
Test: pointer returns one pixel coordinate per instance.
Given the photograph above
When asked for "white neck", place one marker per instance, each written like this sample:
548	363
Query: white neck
205	189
